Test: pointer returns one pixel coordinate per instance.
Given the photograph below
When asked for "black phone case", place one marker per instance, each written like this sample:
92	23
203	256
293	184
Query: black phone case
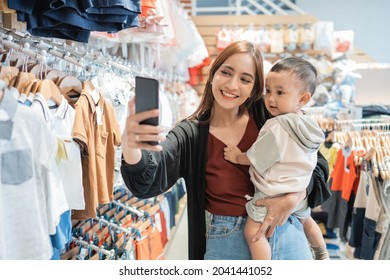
146	98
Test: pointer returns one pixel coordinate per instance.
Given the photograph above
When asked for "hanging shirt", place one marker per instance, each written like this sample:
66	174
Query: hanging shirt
60	204
27	148
97	132
61	119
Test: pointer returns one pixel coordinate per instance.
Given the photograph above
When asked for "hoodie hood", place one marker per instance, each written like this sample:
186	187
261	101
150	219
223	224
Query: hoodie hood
303	129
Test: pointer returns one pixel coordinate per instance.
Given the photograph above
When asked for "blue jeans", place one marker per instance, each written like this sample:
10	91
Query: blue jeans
226	241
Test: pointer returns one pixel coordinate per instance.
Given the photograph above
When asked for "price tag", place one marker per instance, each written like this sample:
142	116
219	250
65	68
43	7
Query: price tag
157	222
83	253
95	96
98	116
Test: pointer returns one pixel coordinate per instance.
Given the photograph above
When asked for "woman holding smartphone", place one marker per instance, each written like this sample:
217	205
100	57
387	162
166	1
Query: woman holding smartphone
231	112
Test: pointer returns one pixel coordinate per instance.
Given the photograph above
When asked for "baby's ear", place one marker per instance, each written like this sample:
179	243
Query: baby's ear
306	96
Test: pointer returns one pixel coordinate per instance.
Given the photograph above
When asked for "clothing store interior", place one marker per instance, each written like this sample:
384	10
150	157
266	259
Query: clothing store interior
62	196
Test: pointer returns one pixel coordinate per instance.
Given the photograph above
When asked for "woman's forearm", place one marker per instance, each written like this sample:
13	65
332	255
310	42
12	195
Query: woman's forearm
131	156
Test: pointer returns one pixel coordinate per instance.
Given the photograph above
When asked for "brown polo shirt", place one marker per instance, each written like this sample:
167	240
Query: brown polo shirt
97	140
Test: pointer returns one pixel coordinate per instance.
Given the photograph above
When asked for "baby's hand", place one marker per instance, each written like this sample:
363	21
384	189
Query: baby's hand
231	153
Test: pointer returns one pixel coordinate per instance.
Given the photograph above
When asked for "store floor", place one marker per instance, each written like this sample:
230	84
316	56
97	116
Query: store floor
177	248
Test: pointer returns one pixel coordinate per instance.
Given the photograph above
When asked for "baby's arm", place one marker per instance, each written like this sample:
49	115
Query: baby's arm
234	154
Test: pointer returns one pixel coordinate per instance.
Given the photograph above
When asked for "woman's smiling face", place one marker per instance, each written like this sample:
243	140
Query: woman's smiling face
233	82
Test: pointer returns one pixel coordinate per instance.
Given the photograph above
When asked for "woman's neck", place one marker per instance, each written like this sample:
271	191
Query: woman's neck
223	118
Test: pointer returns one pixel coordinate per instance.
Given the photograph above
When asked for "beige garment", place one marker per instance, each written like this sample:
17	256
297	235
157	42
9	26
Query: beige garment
97	143
4	7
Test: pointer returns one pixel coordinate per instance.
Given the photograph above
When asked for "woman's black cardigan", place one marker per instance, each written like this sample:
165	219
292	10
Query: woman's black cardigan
184	155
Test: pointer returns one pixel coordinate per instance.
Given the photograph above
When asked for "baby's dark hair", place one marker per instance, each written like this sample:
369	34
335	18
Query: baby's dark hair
302	69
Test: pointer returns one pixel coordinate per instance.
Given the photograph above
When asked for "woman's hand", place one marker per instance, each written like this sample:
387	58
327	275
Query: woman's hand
278	210
135	134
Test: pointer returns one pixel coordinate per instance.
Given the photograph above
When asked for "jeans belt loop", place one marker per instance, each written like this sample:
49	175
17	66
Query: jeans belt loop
238	223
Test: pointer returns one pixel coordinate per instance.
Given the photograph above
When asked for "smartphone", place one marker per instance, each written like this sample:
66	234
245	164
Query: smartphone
146	98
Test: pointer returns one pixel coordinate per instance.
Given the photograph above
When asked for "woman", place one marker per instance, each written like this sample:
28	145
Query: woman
231	112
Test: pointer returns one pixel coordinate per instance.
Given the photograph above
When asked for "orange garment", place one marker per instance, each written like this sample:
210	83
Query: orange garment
345	173
97	141
163	226
330	154
148	3
196	75
147	6
149	247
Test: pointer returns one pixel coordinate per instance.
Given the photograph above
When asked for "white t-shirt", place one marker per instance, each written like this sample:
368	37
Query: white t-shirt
25	159
70	167
55	190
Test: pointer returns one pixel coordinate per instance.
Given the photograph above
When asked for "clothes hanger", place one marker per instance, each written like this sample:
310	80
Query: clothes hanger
142	225
110	213
50	91
382	165
102	210
145	206
119	243
93	229
119	194
28	88
69	254
70	86
88	86
23	78
387	144
35	86
39	70
131	200
138	204
89	245
374	161
124	198
54	75
126	221
85	226
153	209
119	215
102	233
7	71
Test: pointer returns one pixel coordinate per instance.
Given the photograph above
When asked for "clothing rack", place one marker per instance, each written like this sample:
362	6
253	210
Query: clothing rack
119	66
139	213
90	245
21	48
383	133
315	110
27	41
360	123
113	225
61	44
379	125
